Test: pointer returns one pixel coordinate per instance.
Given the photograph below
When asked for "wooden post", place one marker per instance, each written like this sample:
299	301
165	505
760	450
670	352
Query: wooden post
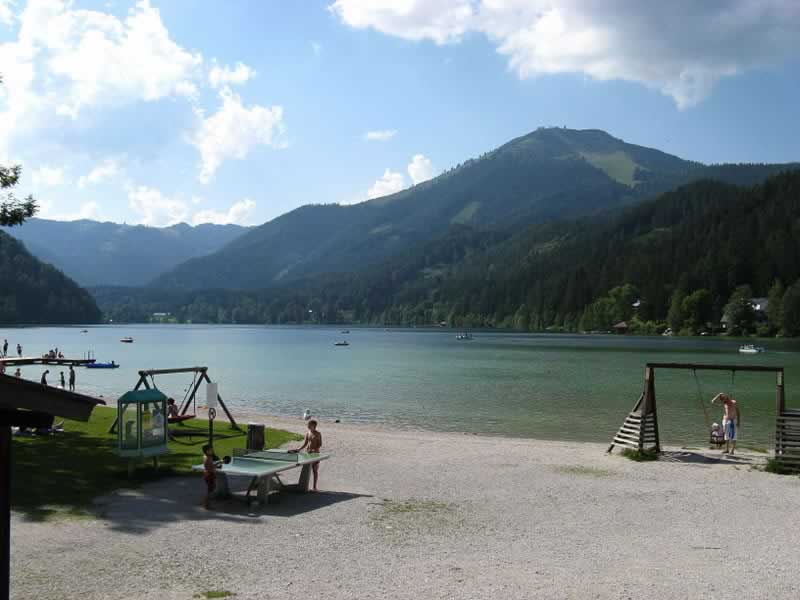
780	398
5	511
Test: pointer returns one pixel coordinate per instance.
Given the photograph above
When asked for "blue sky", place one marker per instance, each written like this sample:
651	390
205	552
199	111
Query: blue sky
238	111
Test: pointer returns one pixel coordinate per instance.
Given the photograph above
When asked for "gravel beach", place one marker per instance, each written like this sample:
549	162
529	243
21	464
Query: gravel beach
408	514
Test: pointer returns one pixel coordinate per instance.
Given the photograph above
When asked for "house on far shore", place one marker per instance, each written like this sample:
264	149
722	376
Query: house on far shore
621	327
759	308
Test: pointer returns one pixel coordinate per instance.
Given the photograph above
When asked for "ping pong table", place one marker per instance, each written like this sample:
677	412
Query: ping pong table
264	467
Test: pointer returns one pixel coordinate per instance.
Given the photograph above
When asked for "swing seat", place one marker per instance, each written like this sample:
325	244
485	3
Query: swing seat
179	419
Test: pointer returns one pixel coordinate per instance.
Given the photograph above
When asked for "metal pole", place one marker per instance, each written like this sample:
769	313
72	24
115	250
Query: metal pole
5	512
212	414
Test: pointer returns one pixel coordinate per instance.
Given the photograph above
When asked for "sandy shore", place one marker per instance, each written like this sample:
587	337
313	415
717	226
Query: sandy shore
438	515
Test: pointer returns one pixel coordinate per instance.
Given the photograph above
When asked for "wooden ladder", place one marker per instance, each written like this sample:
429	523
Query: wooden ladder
787	439
639	430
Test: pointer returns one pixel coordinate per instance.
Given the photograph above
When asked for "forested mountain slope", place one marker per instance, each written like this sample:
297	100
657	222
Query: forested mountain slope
548	174
34	292
95	253
705	236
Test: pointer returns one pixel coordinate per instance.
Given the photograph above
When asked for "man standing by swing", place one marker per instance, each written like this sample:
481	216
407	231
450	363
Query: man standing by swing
731	419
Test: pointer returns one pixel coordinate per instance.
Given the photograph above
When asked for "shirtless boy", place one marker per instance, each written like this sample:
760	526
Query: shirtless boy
312	444
731	419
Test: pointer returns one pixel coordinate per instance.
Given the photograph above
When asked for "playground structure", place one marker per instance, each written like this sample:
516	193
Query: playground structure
639	430
200	374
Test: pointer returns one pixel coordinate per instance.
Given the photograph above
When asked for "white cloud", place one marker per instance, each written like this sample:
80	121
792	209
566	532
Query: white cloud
48	176
390	183
155	208
233	131
380	135
108	169
420	169
680	48
239	213
64	61
439	20
220	76
6	12
87	210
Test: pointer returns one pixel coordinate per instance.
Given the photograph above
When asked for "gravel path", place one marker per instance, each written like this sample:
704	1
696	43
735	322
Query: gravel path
436	515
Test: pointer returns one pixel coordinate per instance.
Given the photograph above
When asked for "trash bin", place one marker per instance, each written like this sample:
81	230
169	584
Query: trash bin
255	436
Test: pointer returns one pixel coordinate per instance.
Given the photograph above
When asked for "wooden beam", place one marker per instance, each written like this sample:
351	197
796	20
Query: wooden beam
702	367
16	393
169	371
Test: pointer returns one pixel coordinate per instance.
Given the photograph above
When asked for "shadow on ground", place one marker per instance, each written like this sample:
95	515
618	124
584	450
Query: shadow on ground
179	499
699	458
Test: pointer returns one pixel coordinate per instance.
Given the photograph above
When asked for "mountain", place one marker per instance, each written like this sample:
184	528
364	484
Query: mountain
691	248
95	253
34	292
549	174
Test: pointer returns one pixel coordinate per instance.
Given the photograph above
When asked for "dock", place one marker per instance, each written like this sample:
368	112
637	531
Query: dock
41	360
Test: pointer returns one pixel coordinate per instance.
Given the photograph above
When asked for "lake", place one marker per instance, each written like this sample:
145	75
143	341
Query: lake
572	387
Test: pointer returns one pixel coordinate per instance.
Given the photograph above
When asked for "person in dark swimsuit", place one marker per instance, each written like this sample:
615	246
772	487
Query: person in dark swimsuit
312	444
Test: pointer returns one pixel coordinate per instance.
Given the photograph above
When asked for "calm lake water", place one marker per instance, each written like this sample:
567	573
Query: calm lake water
545	386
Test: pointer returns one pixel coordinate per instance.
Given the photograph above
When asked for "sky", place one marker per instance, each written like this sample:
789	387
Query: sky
236	111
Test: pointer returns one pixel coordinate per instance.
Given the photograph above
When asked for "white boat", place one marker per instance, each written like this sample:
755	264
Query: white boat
751	349
127	340
342	343
464	336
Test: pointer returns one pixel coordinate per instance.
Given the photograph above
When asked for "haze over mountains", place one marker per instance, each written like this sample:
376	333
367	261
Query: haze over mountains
94	253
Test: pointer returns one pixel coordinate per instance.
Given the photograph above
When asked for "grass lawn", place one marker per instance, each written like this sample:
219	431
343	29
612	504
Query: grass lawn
61	474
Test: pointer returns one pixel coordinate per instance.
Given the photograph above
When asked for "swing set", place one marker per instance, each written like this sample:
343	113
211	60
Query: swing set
199	374
639	430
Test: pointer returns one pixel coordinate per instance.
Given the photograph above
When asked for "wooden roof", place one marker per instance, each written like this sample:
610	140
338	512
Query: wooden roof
17	393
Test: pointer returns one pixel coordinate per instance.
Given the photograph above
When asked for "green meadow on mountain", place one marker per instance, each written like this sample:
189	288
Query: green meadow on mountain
549	174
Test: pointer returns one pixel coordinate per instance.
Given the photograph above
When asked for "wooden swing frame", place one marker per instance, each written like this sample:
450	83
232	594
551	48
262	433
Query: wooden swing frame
201	374
639	430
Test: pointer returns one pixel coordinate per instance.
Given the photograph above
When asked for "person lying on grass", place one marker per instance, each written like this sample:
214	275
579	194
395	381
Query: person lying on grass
313	444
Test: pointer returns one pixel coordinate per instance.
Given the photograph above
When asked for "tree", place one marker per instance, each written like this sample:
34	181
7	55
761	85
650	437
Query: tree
13	211
697	309
675	316
739	311
775	306
790	310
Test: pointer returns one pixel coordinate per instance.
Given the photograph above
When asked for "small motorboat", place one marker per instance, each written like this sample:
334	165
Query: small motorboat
102	365
84	331
127	340
346	331
464	336
342	343
751	349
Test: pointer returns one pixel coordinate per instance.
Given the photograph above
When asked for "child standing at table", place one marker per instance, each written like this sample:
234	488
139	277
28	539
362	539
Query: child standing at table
313	443
209	474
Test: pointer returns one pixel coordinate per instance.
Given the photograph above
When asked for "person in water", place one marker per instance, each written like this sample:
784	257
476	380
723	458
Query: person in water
61	381
731	420
71	379
312	444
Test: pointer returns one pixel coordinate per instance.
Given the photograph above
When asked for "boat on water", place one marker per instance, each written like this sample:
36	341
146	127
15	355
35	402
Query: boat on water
464	336
127	340
102	365
341	343
346	331
751	349
84	331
